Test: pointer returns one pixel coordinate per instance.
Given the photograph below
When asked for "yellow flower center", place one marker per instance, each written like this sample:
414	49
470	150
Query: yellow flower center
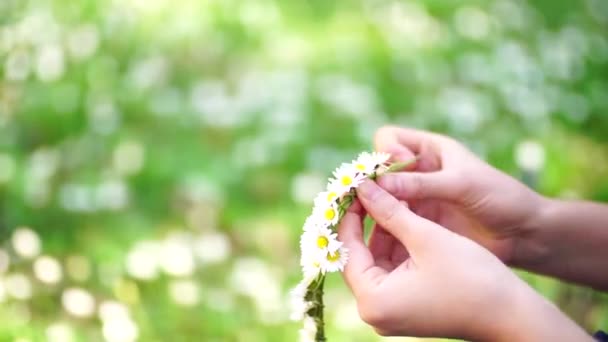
333	257
360	167
330	214
346	180
331	196
322	242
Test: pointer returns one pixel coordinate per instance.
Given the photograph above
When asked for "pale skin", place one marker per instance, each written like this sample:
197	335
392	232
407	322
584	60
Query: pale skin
417	278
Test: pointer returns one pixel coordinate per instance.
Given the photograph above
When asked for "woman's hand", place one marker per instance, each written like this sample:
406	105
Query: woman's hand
452	187
457	190
446	286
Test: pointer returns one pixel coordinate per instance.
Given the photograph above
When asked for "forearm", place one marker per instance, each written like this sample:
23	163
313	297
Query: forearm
568	240
527	316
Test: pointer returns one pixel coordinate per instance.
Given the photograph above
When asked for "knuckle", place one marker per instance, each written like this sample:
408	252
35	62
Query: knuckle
399	185
447	140
391	183
418	185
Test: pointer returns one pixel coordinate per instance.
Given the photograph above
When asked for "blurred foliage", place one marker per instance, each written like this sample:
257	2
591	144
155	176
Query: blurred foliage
157	157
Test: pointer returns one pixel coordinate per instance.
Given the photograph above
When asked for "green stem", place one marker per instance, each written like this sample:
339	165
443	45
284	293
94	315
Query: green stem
320	322
399	166
314	294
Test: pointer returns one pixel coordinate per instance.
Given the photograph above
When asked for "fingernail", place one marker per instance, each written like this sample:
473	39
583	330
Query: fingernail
368	189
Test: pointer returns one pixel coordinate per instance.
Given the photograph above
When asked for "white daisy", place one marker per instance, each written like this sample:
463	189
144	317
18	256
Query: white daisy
298	292
327	197
326	215
307	279
308	332
311	264
299	310
333	262
346	178
319	240
313	223
365	163
299	305
380	158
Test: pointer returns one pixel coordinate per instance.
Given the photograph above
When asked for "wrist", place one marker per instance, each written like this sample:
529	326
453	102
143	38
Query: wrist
530	247
508	321
524	315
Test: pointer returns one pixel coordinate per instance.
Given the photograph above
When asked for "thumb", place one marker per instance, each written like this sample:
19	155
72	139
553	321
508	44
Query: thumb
422	185
413	231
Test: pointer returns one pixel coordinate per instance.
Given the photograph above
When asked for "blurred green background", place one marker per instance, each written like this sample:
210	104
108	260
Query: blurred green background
157	157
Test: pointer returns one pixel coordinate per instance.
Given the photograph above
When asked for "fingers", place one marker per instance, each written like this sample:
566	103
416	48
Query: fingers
410	229
418	185
384	246
361	267
381	243
392	137
386	140
357	208
387	251
433	150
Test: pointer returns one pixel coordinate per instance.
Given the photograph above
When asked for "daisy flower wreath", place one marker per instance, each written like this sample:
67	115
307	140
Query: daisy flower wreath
321	252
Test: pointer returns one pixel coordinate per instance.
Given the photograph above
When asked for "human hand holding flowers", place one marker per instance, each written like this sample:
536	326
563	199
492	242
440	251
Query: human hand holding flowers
446	286
321	251
451	186
415	278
